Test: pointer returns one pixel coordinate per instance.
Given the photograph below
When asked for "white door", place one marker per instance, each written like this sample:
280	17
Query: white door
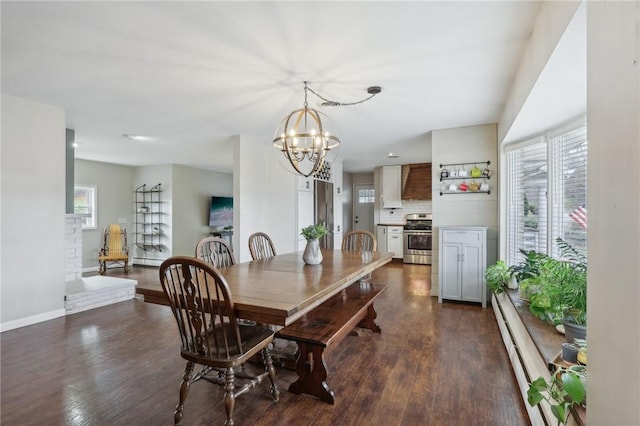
363	197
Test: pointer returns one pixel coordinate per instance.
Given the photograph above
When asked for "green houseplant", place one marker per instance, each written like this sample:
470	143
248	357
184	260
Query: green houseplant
314	232
561	291
562	392
530	266
497	276
312	254
563	287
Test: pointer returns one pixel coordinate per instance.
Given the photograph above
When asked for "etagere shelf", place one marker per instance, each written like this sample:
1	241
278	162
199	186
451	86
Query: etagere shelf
148	217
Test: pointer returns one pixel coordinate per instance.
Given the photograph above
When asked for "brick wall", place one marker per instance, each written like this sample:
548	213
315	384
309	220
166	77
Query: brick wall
72	247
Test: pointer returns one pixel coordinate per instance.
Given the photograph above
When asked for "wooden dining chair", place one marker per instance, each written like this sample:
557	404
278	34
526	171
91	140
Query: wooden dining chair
211	335
114	249
359	240
261	246
215	251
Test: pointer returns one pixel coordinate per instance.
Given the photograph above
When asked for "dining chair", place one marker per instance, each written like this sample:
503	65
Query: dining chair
261	246
359	240
115	249
215	251
211	335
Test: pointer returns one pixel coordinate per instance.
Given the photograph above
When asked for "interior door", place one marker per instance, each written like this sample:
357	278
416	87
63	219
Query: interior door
363	197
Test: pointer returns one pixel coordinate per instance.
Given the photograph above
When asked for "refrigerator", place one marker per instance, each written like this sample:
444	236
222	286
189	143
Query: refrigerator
323	205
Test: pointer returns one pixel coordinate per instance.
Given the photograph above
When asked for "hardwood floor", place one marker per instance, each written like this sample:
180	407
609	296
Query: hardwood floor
120	365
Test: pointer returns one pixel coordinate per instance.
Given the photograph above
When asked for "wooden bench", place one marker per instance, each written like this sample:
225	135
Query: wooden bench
321	329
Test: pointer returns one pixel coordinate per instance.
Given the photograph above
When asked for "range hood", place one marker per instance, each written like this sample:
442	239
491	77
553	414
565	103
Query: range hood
416	181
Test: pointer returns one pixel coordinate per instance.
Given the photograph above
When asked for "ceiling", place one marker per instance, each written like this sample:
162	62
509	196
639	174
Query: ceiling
191	75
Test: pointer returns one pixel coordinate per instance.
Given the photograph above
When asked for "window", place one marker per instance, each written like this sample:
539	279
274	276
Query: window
366	196
569	189
527	199
84	205
547	192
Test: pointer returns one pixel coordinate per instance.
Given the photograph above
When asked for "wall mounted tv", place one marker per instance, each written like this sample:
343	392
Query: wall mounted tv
221	212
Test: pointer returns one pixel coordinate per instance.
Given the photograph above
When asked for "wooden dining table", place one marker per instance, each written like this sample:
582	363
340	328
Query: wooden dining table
280	289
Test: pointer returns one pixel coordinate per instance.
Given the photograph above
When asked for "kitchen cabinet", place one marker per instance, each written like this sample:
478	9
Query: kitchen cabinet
394	241
462	264
390	197
382	239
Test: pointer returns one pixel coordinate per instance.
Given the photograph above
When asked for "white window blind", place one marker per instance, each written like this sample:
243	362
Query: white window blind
547	193
569	188
527	200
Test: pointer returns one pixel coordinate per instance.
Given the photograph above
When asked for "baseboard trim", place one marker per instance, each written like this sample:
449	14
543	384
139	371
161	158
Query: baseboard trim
34	319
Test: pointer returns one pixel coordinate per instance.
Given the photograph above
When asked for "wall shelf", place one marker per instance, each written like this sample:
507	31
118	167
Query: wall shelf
454	175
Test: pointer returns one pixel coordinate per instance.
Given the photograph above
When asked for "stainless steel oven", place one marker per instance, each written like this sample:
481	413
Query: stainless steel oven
417	239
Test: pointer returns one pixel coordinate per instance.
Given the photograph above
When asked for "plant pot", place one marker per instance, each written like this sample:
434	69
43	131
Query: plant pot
572	330
312	254
512	284
570	352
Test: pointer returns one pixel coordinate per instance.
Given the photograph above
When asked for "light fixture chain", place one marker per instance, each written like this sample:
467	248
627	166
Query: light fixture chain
328	102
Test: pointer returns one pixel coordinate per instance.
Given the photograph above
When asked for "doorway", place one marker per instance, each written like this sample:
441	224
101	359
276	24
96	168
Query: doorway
363	198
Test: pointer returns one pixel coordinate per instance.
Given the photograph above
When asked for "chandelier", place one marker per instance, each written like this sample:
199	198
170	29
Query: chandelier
305	137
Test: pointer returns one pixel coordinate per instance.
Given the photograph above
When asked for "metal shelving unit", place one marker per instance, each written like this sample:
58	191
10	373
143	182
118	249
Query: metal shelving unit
483	177
148	217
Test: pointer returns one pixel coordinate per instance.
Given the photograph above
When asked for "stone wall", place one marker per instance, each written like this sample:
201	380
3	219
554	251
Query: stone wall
72	248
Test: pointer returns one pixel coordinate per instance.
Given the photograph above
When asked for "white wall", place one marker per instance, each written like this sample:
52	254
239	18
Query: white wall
193	189
462	145
282	203
268	202
115	196
249	193
33	212
613	128
550	25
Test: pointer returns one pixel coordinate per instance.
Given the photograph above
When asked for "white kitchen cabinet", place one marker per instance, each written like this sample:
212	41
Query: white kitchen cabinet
381	236
462	264
391	195
395	241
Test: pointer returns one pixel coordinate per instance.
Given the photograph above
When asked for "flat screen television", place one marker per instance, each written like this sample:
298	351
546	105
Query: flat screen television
221	212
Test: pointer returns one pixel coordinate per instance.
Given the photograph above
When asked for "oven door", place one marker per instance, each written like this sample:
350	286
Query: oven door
417	247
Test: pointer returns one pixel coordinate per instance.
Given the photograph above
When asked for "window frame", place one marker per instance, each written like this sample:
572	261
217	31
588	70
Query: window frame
90	216
550	139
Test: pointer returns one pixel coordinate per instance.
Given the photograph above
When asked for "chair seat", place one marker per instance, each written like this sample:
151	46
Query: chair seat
253	338
113	257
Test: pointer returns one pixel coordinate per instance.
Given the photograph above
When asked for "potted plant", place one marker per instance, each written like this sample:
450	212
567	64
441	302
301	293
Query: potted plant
497	276
527	272
312	233
562	296
562	392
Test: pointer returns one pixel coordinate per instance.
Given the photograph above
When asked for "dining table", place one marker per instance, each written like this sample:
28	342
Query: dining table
280	289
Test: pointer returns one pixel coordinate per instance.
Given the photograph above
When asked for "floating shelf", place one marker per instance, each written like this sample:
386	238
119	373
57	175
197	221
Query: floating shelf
464	192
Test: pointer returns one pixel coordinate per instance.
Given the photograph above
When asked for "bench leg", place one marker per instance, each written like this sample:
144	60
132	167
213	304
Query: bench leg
369	322
312	373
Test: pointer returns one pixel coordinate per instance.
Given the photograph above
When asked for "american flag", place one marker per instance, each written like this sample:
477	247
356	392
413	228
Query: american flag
580	216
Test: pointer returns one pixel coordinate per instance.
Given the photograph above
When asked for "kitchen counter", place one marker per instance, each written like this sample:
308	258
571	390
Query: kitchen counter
391	224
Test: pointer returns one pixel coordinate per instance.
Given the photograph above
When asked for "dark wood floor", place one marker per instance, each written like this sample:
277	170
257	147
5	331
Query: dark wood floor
119	365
